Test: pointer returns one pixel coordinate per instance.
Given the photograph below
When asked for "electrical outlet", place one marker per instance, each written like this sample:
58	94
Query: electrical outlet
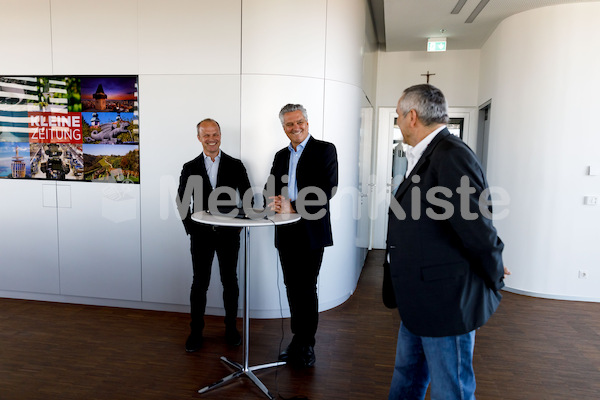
583	274
590	200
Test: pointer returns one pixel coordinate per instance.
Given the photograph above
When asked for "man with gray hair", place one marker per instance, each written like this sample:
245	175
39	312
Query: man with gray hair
306	178
447	272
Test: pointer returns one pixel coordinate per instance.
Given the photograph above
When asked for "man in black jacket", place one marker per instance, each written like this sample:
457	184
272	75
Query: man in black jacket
306	178
211	170
445	256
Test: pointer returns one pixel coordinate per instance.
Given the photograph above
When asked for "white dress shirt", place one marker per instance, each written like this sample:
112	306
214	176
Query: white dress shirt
413	154
294	158
212	168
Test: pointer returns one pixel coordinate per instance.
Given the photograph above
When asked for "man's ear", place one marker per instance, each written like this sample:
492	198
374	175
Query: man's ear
414	118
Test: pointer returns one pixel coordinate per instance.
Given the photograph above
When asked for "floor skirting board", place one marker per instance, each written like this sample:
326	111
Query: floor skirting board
552	296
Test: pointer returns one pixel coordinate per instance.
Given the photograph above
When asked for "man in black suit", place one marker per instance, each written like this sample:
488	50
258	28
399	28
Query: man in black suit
211	170
306	178
445	256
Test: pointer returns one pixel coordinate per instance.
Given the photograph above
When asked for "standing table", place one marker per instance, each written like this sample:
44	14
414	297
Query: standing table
204	217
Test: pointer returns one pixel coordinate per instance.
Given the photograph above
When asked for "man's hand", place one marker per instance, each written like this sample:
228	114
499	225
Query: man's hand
506	272
281	205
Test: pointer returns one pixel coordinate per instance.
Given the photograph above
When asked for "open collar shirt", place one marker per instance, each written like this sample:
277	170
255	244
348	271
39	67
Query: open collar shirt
413	154
212	168
294	158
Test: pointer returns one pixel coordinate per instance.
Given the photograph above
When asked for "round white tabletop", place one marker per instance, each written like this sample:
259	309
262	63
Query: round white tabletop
205	217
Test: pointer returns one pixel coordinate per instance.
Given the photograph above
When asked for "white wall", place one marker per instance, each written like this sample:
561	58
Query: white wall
168	139
538	69
456	74
27	44
238	62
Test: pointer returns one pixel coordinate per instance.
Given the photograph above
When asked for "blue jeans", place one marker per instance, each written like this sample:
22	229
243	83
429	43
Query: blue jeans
445	361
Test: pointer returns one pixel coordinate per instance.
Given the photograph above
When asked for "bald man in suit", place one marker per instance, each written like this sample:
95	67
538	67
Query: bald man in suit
216	170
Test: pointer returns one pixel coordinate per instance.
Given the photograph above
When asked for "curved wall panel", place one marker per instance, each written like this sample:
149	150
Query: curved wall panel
342	262
541	144
332	96
345	39
261	137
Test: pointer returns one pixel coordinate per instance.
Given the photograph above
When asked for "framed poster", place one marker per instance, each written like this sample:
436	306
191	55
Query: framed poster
80	128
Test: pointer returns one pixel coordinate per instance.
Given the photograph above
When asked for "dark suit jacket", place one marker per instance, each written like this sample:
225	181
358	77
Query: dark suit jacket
446	272
232	174
317	167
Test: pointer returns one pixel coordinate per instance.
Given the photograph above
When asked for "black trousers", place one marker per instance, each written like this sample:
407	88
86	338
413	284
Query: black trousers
205	241
300	271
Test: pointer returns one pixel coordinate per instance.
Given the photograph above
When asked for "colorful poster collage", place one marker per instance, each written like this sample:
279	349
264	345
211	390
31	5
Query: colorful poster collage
79	128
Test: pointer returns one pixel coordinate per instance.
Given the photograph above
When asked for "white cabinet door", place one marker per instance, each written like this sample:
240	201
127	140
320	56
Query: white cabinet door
28	241
99	240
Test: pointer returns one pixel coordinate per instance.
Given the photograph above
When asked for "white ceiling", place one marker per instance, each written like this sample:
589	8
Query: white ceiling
405	25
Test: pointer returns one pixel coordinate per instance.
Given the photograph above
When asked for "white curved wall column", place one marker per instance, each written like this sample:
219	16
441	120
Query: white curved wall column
261	137
332	117
345	39
342	262
541	142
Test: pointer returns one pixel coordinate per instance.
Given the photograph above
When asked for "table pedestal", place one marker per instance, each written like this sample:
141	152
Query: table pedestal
244	370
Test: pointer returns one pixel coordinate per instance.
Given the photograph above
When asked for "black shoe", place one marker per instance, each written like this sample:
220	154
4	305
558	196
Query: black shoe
193	343
298	356
232	336
290	352
306	357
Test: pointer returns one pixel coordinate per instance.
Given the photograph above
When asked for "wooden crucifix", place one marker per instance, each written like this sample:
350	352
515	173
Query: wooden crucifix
427	75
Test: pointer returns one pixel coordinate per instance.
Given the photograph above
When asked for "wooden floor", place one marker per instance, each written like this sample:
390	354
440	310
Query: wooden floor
530	349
